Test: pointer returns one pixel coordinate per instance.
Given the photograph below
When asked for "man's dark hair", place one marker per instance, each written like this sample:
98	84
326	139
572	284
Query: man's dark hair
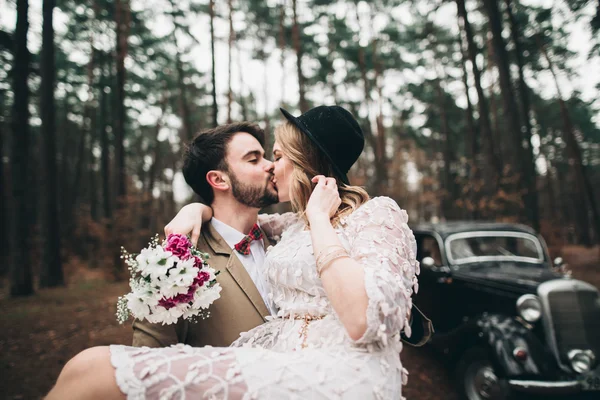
207	152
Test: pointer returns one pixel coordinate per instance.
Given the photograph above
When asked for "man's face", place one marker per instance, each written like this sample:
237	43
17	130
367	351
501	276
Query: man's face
250	172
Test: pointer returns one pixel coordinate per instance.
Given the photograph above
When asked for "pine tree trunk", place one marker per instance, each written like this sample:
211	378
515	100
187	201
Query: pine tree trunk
188	130
215	110
511	112
105	149
183	102
582	179
122	20
299	54
447	178
4	188
281	41
472	147
51	273
231	39
21	282
530	175
484	113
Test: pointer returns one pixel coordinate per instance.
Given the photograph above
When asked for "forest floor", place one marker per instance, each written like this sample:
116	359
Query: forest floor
41	333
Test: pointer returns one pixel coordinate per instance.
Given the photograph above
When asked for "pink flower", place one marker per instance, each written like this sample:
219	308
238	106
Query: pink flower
179	245
179	299
202	278
198	263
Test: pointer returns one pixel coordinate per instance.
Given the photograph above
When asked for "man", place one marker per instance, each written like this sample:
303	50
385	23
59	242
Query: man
227	168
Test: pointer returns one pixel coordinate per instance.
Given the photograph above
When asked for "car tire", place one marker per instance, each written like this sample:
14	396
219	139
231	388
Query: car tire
476	378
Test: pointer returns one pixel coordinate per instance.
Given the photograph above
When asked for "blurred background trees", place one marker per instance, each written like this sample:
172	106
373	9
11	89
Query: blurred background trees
472	109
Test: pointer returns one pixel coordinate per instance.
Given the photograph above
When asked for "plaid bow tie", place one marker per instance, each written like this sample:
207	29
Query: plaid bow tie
243	247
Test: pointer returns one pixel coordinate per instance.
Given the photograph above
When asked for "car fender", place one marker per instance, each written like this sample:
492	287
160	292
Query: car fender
502	335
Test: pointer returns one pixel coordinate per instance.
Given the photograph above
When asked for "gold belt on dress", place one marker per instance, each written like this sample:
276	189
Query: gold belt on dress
303	332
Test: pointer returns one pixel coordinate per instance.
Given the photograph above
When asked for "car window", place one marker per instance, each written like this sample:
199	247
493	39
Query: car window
427	246
513	246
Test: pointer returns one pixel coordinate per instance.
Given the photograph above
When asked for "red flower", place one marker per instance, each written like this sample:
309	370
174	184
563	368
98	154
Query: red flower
179	245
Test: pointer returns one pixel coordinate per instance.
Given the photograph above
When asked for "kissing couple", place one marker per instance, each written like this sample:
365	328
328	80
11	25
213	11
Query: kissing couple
315	302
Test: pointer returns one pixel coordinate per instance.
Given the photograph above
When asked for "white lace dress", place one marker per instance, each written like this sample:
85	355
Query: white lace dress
304	352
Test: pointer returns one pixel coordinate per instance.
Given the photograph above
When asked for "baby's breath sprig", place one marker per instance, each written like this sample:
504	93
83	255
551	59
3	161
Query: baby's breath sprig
122	310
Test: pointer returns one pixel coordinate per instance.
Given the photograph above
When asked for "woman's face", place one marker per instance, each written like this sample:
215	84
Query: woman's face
283	169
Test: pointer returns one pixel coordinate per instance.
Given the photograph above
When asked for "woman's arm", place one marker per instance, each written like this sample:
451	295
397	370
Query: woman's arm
343	278
371	289
190	219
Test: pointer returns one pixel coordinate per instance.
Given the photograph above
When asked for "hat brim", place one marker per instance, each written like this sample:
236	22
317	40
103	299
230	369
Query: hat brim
298	124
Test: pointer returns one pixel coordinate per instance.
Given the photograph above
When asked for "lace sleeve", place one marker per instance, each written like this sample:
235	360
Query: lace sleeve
275	224
381	241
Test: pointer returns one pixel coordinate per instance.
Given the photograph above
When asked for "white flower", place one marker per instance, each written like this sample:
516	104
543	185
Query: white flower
183	273
167	317
137	305
204	297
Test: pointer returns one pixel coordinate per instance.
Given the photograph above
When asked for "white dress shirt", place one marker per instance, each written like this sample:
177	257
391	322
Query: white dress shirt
253	262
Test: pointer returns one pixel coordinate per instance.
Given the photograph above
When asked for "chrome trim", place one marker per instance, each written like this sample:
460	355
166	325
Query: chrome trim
541	387
543	290
590	357
524	298
468	235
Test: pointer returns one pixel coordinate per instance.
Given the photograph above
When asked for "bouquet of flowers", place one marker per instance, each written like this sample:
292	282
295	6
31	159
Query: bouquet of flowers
168	281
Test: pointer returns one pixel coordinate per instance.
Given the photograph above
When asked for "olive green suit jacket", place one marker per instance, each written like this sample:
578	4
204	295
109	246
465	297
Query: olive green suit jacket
239	309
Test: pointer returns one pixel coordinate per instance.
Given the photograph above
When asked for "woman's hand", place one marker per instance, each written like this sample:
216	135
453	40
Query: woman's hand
324	200
189	219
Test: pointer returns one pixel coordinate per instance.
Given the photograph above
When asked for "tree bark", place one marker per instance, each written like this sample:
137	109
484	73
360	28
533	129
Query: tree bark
21	282
582	179
484	113
531	196
4	189
51	273
511	112
231	39
472	146
105	148
122	18
299	54
281	41
215	110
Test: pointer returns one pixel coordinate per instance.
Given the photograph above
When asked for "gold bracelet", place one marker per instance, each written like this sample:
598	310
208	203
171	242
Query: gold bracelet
328	248
328	259
327	251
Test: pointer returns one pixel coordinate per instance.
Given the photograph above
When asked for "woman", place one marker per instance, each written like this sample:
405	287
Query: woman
341	274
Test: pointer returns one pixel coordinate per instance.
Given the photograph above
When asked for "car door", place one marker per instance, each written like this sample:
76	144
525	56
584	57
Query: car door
434	297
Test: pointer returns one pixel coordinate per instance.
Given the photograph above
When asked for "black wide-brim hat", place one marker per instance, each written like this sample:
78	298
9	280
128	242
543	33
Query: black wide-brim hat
335	132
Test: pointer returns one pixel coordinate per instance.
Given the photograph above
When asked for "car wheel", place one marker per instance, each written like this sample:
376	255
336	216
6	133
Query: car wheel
477	379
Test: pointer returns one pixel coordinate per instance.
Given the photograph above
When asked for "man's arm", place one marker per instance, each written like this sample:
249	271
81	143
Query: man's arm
158	335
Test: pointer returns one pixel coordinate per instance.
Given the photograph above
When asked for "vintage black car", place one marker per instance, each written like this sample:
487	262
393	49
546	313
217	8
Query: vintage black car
505	314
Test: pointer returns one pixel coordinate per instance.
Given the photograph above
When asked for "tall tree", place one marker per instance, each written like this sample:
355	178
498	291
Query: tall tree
51	272
484	113
297	40
230	60
21	283
4	222
211	12
583	182
531	196
122	19
520	163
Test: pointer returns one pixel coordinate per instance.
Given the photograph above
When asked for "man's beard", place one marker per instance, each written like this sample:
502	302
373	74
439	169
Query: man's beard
254	196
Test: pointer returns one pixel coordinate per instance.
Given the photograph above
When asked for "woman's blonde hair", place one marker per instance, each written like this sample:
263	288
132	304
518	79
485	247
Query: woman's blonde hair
309	161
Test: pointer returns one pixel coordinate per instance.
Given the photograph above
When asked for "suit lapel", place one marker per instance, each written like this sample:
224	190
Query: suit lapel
239	273
236	269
